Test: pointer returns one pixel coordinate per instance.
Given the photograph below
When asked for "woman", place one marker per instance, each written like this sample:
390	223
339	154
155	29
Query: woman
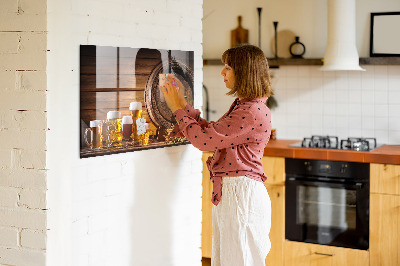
242	208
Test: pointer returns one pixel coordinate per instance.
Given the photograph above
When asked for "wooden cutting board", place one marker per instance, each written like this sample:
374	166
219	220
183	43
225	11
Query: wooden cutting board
239	35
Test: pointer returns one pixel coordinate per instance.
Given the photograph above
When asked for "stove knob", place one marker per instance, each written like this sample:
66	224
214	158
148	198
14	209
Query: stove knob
343	168
308	166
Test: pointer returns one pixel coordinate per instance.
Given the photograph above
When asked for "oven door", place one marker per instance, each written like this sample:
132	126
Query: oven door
327	213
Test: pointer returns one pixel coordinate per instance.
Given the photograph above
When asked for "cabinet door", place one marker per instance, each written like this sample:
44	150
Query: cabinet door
384	230
304	254
206	232
274	168
277	233
385	178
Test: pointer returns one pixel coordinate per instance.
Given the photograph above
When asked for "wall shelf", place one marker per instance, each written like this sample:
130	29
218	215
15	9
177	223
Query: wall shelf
274	63
380	61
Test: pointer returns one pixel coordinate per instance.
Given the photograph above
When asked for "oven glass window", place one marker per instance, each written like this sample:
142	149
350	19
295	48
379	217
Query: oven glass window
326	207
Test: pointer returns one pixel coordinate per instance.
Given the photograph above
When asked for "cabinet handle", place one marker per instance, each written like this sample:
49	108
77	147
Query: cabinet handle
324	254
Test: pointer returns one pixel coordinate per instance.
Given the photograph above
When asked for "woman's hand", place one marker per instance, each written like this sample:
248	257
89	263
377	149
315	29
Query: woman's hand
174	93
181	91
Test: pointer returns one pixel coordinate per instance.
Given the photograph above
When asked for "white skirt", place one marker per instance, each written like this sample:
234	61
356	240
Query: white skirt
241	223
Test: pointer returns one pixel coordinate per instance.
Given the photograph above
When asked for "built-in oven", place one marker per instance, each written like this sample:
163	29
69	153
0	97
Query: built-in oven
327	202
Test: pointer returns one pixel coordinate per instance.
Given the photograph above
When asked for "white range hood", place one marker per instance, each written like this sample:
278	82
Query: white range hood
341	51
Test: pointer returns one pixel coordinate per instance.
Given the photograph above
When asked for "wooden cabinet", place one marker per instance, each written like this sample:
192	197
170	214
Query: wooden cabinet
277	233
385	178
206	226
385	230
385	215
304	254
274	168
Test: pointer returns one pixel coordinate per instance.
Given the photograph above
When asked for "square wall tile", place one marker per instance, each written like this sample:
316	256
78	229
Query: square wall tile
394	137
381	84
382	136
367	96
394	97
381	110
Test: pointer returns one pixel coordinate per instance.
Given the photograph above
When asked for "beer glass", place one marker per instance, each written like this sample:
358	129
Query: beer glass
127	125
143	138
135	109
94	139
114	129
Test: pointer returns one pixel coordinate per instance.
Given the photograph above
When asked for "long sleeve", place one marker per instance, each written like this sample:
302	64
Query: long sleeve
238	140
193	113
230	131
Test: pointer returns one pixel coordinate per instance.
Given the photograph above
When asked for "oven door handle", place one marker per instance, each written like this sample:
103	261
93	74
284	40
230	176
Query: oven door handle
357	185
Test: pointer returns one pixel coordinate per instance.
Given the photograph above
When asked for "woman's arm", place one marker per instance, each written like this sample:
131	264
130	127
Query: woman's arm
173	91
236	129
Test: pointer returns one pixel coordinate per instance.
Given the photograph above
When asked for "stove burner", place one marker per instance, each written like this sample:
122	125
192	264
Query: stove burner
332	142
358	144
328	142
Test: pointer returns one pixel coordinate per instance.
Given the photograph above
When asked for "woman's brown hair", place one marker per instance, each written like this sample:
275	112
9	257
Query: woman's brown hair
250	66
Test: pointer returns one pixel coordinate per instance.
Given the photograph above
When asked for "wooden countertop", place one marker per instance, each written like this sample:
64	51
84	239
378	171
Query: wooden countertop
389	154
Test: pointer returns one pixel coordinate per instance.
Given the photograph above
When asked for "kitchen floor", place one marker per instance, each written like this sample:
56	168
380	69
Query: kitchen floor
206	261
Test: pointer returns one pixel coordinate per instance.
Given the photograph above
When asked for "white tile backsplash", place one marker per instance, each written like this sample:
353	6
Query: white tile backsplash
343	103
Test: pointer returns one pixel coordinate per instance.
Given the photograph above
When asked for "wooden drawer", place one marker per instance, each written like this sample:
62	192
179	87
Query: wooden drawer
385	178
304	254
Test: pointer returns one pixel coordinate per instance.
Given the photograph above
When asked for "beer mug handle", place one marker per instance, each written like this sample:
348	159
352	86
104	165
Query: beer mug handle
86	135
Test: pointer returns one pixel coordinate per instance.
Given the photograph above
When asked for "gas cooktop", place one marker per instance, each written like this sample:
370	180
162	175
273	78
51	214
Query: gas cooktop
332	142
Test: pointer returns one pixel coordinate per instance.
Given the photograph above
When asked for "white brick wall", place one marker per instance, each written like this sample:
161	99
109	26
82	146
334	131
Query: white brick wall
112	210
23	132
138	208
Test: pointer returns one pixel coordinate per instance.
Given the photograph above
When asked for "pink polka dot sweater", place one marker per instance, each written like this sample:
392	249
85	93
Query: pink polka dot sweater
238	139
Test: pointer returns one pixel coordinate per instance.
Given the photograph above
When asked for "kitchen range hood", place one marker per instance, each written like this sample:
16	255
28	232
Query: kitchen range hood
341	51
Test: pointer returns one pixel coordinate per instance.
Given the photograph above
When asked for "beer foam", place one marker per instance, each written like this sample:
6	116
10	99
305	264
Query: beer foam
127	119
94	123
146	126
135	106
113	115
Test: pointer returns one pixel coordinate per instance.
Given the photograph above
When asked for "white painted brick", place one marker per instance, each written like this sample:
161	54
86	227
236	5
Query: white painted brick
8	6
30	80
33	159
23	62
33	120
23	178
98	222
31	55
8	197
9	42
33	239
11	256
5	159
15	158
34	7
22	139
7	80
33	199
22	22
23	100
114	187
22	218
80	228
8	237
